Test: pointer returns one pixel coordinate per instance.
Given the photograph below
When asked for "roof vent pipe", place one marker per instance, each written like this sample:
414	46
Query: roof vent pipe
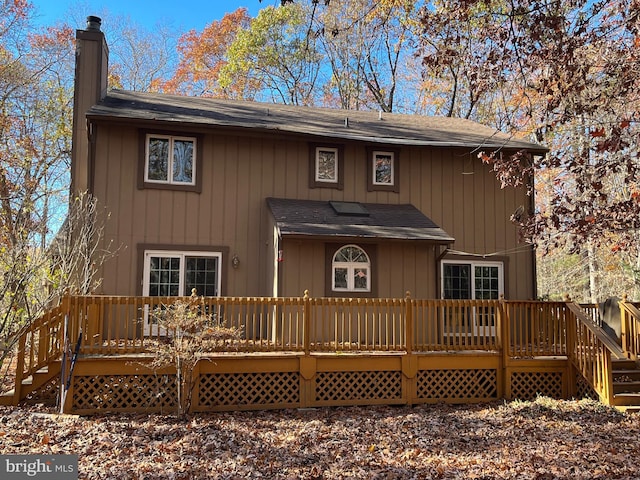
346	122
93	23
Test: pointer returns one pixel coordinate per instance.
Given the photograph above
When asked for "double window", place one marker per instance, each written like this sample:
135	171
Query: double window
169	274
463	280
472	280
170	161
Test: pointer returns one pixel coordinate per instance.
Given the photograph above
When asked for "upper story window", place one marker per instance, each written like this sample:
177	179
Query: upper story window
326	166
170	161
351	270
382	170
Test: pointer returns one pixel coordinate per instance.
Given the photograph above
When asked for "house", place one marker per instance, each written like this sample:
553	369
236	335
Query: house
365	258
251	199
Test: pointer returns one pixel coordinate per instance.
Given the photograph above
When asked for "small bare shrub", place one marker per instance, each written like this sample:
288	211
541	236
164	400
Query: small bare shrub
191	333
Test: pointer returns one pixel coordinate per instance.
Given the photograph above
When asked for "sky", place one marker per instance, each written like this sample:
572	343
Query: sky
184	15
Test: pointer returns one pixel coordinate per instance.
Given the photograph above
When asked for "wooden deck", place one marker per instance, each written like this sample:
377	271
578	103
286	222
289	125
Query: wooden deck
312	352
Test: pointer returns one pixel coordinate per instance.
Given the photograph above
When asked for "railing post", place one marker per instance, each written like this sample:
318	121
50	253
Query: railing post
408	315
504	345
608	373
624	330
306	322
571	323
66	310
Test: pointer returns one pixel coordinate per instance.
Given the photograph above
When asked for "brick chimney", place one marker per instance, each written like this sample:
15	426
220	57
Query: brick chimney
90	86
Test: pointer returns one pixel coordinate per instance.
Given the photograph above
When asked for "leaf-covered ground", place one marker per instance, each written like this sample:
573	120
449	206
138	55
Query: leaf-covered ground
545	439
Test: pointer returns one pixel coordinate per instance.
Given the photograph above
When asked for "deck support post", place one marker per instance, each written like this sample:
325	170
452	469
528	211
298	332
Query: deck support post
504	342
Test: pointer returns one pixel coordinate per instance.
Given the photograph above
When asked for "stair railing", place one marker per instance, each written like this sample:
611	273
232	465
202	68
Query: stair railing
590	351
39	343
630	329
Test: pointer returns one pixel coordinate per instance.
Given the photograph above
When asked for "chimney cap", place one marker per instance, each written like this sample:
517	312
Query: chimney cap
93	23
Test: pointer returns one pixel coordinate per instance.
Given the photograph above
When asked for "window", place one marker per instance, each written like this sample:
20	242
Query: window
326	166
351	270
382	169
463	280
170	159
173	274
472	280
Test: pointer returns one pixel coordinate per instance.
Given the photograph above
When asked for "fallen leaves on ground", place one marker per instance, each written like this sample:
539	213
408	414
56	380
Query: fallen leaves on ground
544	439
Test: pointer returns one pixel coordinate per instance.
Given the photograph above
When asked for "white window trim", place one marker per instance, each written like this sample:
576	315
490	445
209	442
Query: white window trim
375	153
177	254
351	267
474	263
171	139
317	164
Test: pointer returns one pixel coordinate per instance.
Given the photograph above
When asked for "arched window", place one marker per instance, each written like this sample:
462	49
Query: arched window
351	270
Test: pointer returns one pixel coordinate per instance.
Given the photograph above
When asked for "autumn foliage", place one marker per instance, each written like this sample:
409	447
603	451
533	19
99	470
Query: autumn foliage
202	55
569	75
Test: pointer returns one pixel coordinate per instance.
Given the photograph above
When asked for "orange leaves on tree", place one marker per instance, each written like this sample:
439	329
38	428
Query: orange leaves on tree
202	55
53	37
17	8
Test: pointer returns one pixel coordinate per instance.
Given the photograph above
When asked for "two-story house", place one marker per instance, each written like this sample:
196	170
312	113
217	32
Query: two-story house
242	198
253	204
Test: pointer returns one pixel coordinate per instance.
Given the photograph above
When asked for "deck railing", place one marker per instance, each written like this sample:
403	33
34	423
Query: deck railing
40	343
591	352
592	311
630	329
112	325
536	328
125	325
455	325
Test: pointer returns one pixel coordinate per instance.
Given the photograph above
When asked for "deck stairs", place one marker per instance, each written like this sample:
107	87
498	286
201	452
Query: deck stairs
32	384
626	385
625	371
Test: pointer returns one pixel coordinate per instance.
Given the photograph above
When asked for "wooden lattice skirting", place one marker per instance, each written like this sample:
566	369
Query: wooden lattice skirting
252	382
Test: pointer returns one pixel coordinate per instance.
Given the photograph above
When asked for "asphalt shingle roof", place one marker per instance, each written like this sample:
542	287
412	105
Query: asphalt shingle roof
312	218
368	126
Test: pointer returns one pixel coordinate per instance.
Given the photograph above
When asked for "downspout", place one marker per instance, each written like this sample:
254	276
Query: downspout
534	254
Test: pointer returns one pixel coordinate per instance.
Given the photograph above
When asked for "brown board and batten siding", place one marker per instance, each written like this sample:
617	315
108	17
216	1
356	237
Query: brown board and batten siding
251	151
239	171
